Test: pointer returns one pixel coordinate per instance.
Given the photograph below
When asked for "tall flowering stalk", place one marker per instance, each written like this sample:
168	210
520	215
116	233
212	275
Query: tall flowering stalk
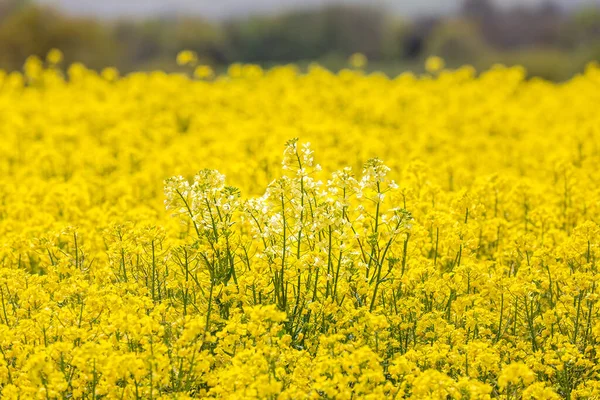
322	244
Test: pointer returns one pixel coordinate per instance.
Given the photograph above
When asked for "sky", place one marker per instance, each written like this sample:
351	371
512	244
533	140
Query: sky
218	9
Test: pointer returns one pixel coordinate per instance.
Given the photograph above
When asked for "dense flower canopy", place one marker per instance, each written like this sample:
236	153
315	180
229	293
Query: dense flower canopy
165	236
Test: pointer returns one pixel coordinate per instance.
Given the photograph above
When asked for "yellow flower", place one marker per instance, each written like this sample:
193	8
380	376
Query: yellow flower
54	57
186	57
358	60
514	374
203	72
434	64
110	74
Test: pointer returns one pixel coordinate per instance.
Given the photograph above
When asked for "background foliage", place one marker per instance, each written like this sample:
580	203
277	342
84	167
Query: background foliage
548	41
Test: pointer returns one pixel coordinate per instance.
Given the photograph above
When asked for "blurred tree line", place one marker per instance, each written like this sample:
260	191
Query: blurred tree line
549	41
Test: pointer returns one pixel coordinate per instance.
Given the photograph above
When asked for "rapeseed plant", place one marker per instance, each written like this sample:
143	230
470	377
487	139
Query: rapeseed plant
429	236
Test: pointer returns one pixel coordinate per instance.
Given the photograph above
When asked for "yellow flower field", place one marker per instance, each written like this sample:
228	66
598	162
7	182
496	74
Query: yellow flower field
168	237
